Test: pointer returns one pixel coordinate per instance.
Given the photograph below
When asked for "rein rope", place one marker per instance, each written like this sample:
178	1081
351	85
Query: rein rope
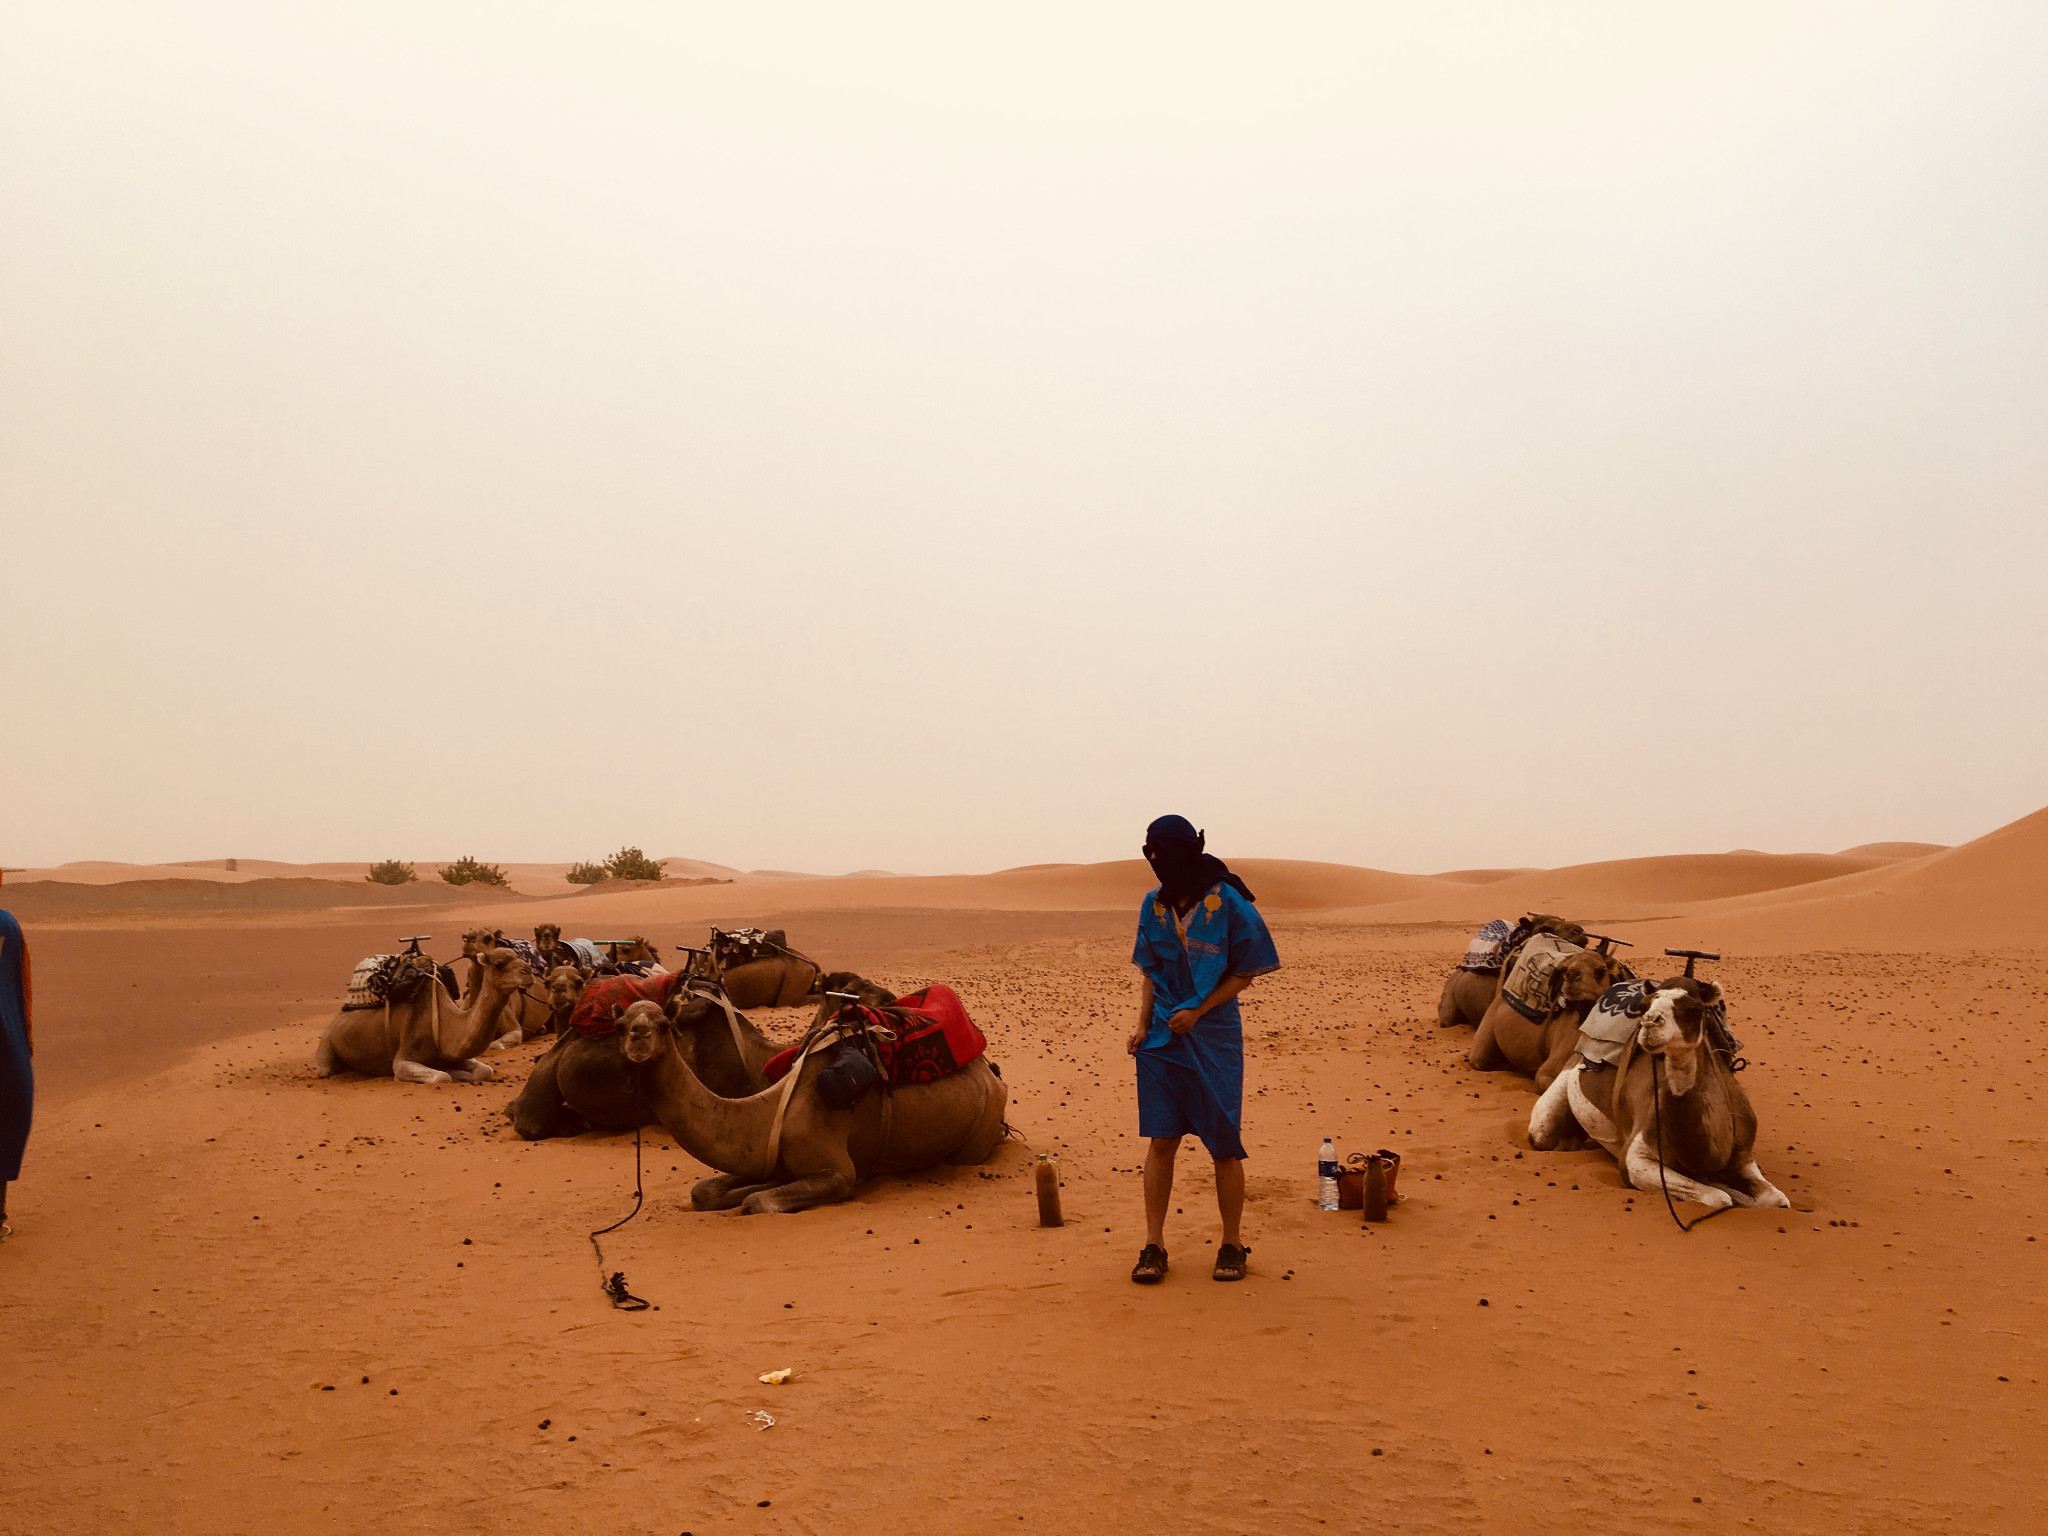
1657	1119
614	1284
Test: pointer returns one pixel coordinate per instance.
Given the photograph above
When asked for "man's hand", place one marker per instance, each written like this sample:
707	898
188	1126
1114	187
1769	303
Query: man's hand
1184	1021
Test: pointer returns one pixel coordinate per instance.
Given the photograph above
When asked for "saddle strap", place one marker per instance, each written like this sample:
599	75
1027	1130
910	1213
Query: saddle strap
732	1020
816	1039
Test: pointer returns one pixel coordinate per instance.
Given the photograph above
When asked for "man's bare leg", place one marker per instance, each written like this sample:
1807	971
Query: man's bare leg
1229	1195
1159	1155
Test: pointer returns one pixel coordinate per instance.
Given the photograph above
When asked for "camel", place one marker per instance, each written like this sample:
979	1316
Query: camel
526	1017
583	1084
426	1038
1509	1040
780	978
783	1150
1688	1127
1470	990
547	942
564	988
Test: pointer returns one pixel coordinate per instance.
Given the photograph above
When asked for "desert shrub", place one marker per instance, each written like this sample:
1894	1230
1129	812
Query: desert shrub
391	872
466	871
632	864
584	874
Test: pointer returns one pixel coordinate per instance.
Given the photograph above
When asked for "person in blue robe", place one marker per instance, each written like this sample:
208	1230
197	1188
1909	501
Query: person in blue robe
1200	943
17	1076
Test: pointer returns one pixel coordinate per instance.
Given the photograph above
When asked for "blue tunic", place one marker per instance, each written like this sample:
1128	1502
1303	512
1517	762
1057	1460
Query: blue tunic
17	1076
1193	1084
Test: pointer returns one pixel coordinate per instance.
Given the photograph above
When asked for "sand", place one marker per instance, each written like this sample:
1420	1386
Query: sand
210	1238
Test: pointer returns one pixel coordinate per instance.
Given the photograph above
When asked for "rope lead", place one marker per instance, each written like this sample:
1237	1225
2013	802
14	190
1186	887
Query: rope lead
614	1284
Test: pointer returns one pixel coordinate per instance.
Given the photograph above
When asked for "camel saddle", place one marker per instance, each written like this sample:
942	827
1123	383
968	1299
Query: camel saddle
1613	1021
743	946
919	1038
1529	989
596	1015
381	979
1488	948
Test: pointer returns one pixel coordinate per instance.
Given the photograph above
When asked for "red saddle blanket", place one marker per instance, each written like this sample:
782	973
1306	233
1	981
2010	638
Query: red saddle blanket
921	1038
595	1019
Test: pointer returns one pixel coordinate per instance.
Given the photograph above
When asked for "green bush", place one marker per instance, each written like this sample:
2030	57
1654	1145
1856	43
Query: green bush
391	872
632	864
466	871
585	874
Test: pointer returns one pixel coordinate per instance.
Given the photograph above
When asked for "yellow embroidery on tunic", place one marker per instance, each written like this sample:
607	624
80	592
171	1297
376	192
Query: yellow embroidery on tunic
1213	902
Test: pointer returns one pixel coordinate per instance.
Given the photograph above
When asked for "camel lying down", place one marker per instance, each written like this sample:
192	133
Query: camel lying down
1707	1126
426	1038
822	1153
583	1085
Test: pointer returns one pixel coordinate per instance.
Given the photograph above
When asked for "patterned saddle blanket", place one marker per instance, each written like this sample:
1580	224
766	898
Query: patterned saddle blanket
381	979
1614	1020
1488	948
1529	988
919	1038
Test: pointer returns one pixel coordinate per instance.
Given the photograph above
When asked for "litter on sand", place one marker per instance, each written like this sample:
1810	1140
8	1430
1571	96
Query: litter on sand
763	1419
775	1378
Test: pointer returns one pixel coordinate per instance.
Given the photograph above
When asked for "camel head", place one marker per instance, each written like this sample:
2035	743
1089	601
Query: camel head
477	940
507	967
641	1028
1581	978
1676	1019
546	936
636	951
565	991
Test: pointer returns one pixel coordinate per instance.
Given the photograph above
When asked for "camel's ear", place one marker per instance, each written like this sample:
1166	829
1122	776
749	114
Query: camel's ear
673	1007
585	972
1710	992
617	1013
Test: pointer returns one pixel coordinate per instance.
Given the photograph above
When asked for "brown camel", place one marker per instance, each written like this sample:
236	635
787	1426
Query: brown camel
786	1150
564	988
583	1083
760	970
1510	1040
428	1038
547	943
1688	1127
526	1016
1470	990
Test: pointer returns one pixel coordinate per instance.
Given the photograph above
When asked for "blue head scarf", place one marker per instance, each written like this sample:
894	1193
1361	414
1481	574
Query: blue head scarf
1174	849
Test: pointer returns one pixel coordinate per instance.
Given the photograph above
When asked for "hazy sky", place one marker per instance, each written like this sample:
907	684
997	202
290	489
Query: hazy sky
941	438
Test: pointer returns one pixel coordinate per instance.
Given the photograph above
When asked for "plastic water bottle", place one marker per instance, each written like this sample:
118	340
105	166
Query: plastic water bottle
1326	1176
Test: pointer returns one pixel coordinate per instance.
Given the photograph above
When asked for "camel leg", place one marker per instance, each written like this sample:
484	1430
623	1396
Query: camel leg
473	1071
325	1061
418	1072
1761	1190
1551	1121
725	1191
1642	1172
827	1188
506	1042
1485	1055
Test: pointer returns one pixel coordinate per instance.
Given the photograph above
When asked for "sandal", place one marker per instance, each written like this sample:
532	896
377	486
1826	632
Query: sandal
1231	1262
1151	1267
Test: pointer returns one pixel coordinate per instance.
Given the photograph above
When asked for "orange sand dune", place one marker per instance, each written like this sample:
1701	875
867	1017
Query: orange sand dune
1674	878
1894	850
